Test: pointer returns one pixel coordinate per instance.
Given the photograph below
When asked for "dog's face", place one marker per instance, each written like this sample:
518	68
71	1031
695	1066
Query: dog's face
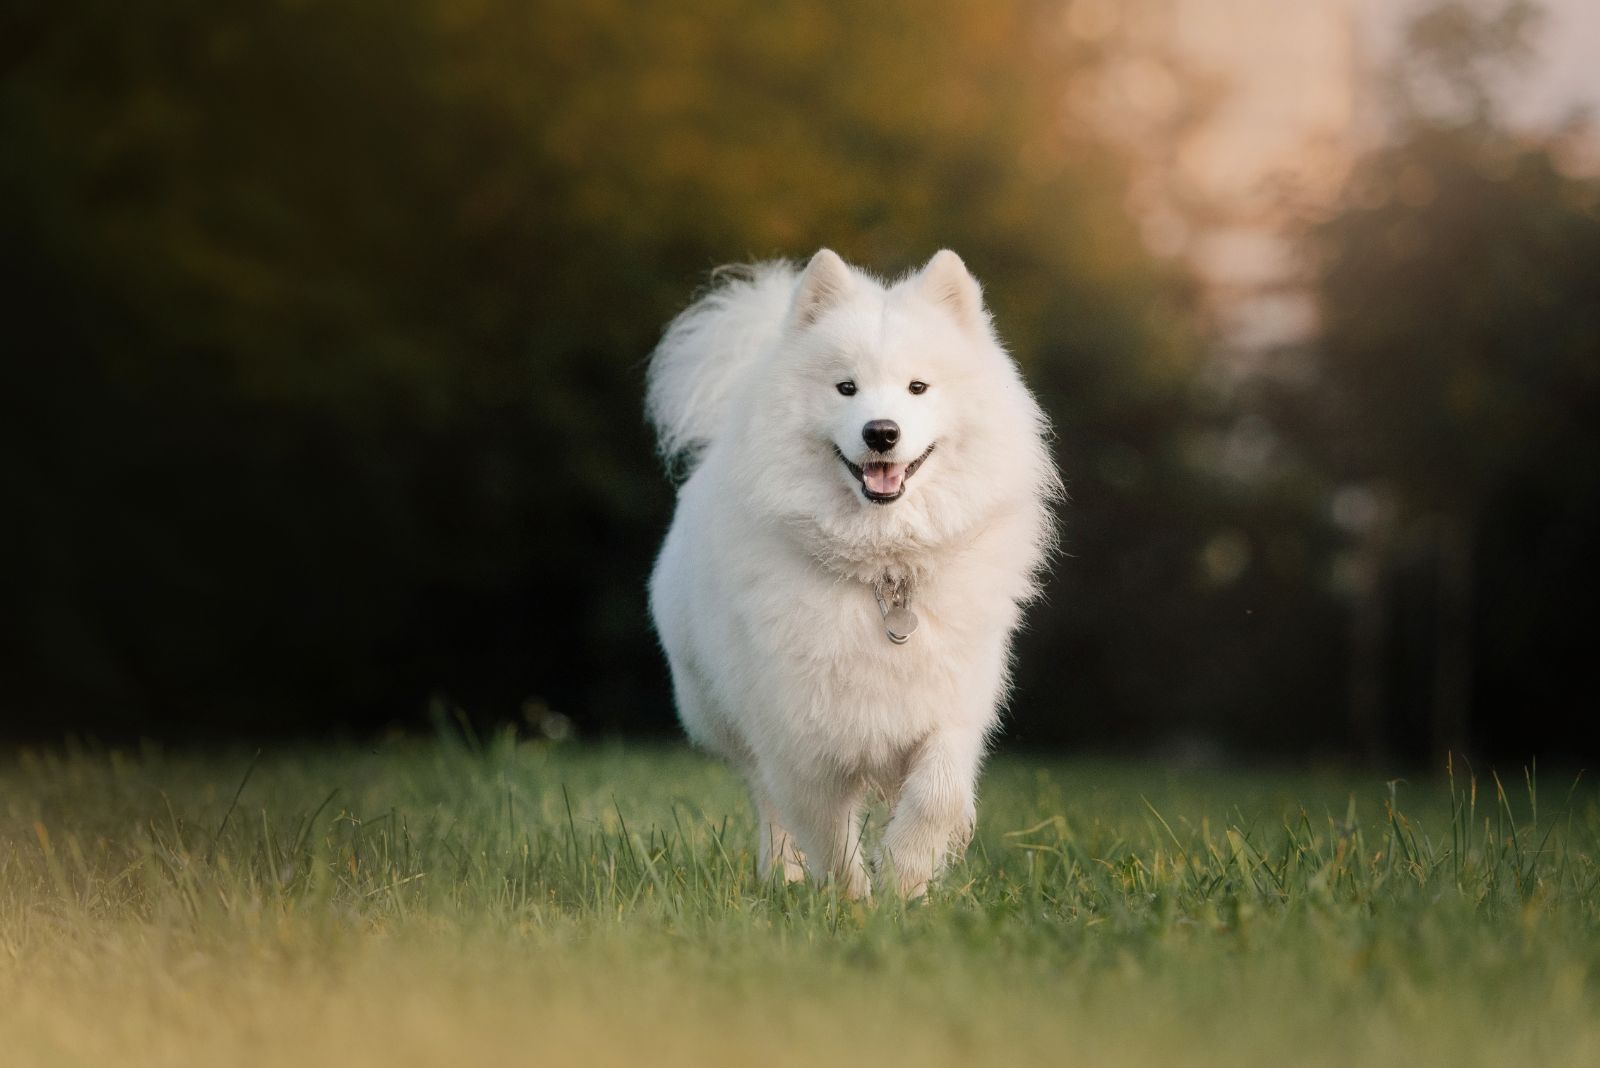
890	395
890	416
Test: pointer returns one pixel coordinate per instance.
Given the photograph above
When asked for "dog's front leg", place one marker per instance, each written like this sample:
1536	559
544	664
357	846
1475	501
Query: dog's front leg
935	812
823	810
777	851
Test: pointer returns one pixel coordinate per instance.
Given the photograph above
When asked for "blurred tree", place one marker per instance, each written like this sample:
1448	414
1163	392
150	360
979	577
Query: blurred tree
1460	356
328	320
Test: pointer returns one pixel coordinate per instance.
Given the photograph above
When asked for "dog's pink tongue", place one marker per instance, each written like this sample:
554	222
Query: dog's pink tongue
883	478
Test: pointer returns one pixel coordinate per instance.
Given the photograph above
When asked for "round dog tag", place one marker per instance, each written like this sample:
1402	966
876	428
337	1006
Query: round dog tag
900	623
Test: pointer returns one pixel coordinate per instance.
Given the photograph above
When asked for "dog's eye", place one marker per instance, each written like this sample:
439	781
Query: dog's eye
846	388
918	388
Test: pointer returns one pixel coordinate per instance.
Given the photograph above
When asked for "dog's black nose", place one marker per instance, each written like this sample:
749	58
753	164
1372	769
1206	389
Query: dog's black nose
881	434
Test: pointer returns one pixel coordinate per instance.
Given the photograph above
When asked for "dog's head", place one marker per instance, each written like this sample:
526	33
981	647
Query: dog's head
890	419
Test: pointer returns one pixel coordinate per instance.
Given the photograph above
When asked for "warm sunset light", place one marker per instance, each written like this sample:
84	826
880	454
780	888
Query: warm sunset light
921	532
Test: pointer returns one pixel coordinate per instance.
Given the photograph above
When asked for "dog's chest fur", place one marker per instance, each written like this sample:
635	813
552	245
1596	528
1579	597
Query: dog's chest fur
822	668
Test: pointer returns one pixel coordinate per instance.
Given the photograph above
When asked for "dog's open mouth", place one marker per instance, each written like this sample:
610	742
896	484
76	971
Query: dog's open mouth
883	482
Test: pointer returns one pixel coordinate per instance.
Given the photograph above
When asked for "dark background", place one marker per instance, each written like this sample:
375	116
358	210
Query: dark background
325	326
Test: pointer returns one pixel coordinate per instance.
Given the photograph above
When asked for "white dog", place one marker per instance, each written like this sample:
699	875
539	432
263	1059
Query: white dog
868	510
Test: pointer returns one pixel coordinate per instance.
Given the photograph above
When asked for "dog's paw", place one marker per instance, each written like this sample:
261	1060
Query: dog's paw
902	872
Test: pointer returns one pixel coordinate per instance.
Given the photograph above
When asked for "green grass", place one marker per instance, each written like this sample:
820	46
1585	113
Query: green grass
440	903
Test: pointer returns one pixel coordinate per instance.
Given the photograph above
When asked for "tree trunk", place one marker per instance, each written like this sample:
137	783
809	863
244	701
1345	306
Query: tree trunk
1368	624
1453	660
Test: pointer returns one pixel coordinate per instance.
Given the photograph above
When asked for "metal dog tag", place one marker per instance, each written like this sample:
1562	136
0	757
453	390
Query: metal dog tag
900	624
894	602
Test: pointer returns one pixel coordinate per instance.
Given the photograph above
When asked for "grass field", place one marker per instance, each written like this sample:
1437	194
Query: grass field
445	903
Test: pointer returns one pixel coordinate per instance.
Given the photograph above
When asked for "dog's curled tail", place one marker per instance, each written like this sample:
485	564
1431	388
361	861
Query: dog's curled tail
712	343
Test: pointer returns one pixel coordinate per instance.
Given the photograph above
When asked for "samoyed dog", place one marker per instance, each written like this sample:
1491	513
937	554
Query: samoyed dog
866	513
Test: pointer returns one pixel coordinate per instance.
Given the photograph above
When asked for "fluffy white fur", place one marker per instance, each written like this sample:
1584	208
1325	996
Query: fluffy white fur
763	593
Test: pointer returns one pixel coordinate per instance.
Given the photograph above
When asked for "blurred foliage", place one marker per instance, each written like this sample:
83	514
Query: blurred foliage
329	319
1463	272
327	322
1459	391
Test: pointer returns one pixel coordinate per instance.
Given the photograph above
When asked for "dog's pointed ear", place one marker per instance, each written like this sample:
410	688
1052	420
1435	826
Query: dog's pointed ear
947	282
825	282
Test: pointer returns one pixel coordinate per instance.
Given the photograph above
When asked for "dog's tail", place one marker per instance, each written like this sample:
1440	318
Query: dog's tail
706	350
